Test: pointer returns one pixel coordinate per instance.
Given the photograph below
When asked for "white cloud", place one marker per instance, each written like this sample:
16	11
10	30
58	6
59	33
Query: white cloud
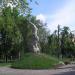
41	17
64	16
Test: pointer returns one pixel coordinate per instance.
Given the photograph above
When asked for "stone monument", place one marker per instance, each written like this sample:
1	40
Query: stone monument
35	39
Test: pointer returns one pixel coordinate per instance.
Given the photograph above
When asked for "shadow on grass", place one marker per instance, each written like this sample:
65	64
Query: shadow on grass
3	63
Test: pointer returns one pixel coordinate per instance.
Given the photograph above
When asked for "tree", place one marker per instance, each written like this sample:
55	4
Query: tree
21	5
67	45
11	36
53	43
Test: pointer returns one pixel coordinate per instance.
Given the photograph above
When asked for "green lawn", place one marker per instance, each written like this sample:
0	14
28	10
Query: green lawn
35	61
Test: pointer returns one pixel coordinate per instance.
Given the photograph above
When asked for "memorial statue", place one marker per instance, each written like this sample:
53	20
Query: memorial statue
35	39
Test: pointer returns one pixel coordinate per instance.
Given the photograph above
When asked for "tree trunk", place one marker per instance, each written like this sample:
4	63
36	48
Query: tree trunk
6	58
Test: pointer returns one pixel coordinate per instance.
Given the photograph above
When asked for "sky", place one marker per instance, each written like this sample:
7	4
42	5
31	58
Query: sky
55	12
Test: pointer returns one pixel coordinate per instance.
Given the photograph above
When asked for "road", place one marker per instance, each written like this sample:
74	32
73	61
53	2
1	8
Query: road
65	70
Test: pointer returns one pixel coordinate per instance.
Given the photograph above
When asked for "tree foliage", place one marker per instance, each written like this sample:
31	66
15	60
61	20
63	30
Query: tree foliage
10	34
66	44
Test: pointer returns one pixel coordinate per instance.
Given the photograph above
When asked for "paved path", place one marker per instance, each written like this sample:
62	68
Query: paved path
65	70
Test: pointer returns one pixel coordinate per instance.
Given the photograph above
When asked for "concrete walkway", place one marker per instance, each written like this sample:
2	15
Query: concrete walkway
64	70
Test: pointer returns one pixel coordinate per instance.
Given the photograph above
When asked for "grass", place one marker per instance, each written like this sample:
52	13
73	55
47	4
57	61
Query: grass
4	64
35	61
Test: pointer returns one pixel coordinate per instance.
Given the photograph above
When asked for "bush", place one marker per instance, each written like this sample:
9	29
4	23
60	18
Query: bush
35	61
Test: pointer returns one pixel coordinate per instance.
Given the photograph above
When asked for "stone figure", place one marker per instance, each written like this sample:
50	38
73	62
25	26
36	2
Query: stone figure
35	39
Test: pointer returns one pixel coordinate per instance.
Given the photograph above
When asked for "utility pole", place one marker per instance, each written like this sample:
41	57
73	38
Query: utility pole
59	49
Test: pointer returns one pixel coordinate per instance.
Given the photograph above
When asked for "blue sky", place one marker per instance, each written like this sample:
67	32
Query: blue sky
55	12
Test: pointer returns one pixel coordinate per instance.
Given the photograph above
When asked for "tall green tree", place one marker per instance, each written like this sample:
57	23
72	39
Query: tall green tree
11	35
